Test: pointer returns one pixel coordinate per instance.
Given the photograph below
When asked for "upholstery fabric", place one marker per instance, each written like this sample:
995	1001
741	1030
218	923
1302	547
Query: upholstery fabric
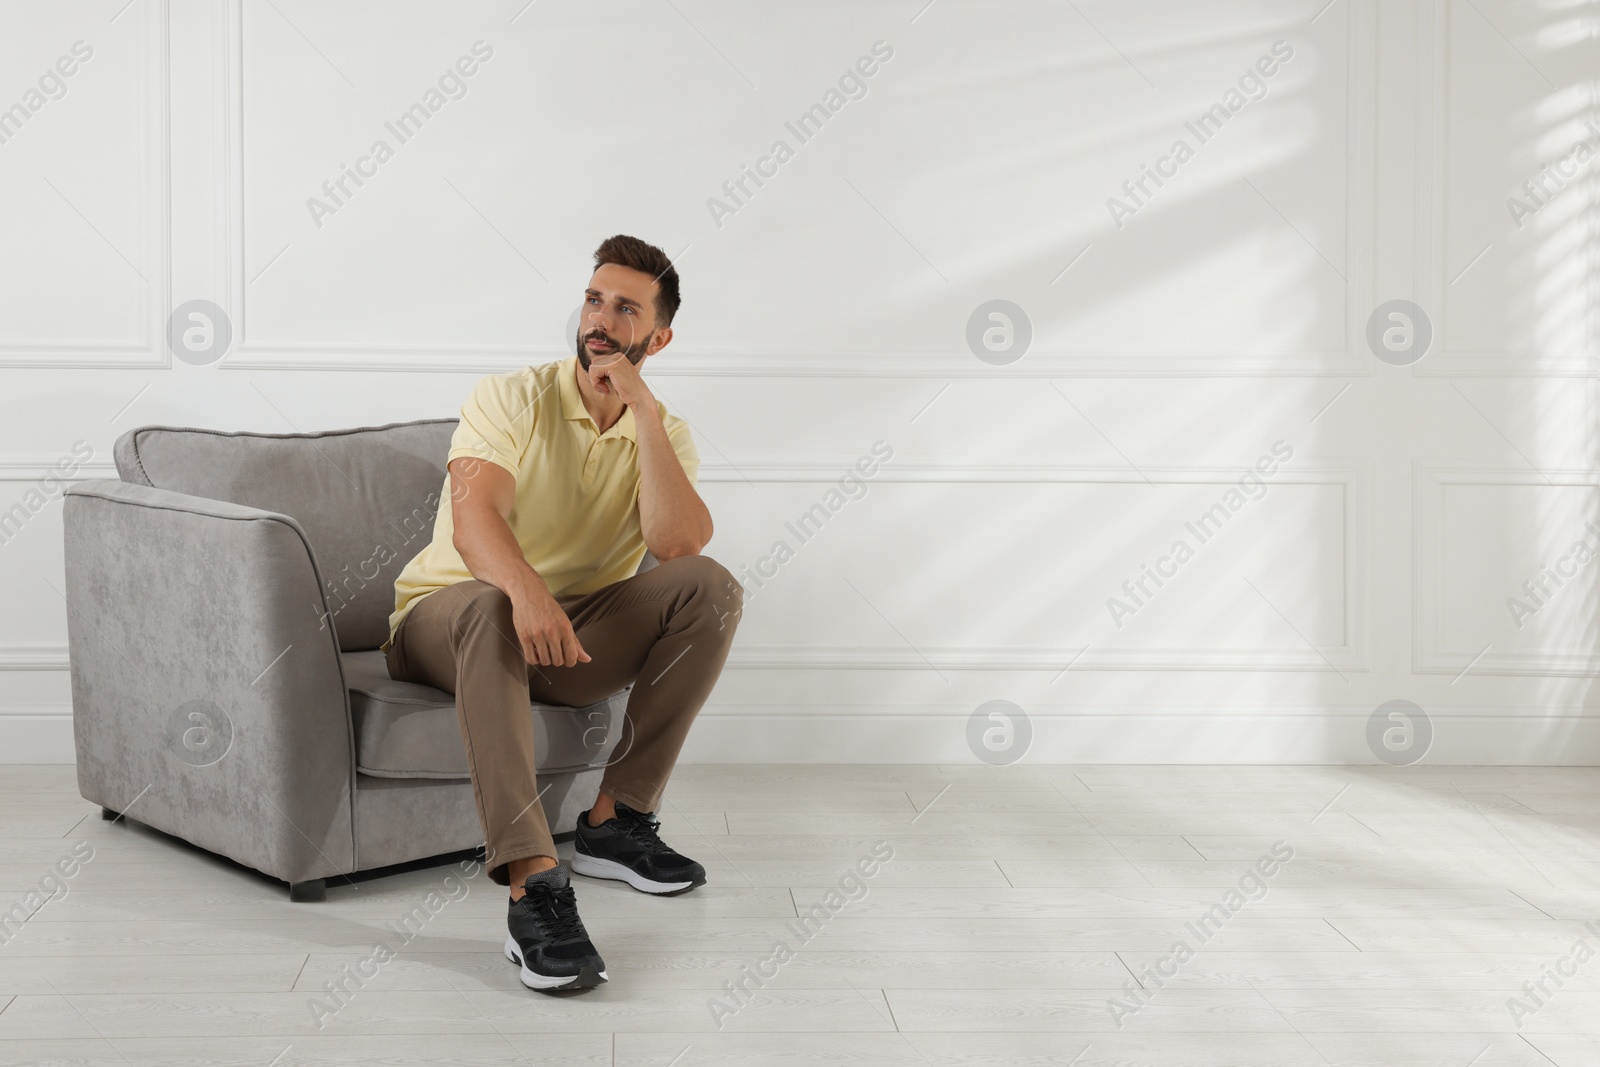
407	730
365	497
177	603
402	819
206	579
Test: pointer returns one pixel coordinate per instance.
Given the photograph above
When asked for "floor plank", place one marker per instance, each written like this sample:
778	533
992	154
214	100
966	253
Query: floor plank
1020	902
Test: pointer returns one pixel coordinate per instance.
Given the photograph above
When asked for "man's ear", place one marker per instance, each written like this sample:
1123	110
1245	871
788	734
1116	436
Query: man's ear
662	338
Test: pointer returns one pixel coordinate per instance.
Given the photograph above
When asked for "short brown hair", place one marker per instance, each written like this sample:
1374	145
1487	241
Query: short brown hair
641	256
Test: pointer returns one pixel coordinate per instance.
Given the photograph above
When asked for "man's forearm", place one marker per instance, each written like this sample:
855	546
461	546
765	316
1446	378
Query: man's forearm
674	520
491	552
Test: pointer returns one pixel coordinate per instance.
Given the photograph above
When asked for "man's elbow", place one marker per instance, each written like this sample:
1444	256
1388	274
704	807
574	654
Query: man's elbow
688	547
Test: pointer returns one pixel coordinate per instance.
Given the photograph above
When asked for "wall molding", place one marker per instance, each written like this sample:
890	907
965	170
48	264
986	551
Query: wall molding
1429	654
1038	658
1434	109
1325	735
829	469
459	359
1350	360
903	658
1351	656
154	251
34	467
33	658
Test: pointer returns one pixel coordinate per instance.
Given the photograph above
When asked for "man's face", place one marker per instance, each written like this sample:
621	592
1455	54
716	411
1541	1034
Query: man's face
619	316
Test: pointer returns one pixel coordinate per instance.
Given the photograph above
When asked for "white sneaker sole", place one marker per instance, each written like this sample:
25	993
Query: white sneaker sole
584	979
595	867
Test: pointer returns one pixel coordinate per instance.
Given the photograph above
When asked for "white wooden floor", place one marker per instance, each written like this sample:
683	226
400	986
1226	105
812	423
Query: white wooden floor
1018	901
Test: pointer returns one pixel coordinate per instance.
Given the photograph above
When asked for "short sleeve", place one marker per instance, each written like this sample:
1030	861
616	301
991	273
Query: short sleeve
490	429
683	444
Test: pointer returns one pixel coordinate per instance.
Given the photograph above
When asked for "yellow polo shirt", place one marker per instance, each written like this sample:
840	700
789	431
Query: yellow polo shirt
576	508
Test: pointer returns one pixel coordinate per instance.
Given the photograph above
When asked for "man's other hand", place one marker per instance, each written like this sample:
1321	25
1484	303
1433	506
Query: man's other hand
481	495
544	629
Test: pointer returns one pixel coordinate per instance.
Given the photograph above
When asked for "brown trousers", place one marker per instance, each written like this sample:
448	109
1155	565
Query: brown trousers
667	631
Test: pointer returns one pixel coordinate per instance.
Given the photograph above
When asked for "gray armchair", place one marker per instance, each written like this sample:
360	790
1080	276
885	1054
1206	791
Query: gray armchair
227	599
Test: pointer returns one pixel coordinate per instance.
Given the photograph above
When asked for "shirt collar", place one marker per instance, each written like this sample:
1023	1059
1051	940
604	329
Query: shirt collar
572	403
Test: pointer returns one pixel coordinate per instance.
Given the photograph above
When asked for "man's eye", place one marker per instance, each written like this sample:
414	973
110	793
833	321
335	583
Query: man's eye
628	310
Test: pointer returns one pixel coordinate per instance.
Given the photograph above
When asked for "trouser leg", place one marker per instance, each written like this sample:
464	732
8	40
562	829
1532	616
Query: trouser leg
461	639
667	631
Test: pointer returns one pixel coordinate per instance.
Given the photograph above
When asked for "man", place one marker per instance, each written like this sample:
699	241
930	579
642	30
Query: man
560	476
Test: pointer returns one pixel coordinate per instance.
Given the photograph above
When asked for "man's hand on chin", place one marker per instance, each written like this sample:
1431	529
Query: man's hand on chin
617	375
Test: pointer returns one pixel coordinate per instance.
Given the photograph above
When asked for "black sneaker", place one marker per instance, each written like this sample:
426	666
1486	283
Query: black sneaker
628	849
547	939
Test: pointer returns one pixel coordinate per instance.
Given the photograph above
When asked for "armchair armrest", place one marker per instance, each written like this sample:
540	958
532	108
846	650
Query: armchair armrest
208	697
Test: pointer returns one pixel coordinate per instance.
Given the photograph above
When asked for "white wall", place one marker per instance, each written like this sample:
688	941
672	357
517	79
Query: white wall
1171	347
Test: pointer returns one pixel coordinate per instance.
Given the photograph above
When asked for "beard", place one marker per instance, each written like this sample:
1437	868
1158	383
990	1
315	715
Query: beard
633	352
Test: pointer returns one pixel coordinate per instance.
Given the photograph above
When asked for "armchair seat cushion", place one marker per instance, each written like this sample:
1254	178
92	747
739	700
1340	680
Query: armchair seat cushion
407	730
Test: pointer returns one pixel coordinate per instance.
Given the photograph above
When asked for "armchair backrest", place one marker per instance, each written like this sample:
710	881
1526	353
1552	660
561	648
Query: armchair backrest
366	498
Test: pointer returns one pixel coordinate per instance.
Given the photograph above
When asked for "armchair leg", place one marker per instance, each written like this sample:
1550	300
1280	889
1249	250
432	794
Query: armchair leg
108	815
309	892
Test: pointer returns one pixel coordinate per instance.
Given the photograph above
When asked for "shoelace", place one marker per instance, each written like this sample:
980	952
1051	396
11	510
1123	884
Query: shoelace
557	911
644	829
